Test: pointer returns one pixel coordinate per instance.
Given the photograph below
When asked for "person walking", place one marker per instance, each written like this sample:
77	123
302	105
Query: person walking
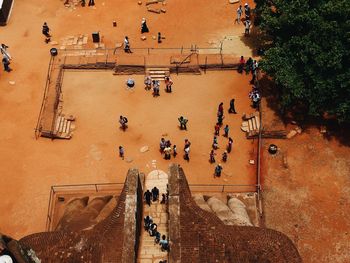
46	33
217	171
229	145
239	14
232	107
221	109
224	156
247	25
183	123
6	63
144	27
148	195
155	193
215	144
241	64
148	82
121	152
220	119
212	156
226	130
174	151
247	11
162	145
187	150
127	45
91	2
168	84
159	38
123	122
156	85
217	129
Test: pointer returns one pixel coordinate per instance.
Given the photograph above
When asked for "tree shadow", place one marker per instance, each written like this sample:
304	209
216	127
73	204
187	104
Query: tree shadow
328	126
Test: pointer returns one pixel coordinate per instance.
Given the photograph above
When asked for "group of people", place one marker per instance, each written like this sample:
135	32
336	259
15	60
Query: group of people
82	2
251	66
215	144
247	20
153	196
6	57
144	29
149	83
165	148
150	226
152	229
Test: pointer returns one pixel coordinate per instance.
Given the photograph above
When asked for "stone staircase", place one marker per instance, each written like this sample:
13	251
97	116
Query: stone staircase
149	251
158	73
64	127
251	123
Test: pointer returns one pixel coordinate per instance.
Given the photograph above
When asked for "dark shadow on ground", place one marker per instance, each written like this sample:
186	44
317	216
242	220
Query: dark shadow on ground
329	127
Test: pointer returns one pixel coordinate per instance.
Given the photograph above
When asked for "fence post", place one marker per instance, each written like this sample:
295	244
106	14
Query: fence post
148	50
223	188
182	48
205	66
96	188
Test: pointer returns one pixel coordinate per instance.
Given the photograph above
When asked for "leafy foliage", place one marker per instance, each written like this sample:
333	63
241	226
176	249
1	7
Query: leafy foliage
309	57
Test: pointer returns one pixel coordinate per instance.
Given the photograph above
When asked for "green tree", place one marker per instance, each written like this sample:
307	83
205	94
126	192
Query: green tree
309	53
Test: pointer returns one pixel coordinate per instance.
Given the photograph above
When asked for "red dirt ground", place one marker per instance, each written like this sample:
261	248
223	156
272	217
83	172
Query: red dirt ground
309	201
28	166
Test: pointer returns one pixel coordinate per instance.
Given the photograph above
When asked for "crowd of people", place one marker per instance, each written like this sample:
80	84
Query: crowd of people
247	20
149	225
215	144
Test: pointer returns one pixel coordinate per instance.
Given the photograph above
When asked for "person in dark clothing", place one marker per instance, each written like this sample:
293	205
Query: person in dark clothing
224	156
212	156
248	65
127	45
148	196
91	2
155	193
153	229
148	220
6	63
183	122
226	130
144	27
121	152
218	169
232	107
220	119
241	64
46	30
229	145
46	33
163	201
221	109
159	38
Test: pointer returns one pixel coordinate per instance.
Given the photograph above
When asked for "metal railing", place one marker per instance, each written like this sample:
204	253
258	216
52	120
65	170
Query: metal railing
76	189
48	79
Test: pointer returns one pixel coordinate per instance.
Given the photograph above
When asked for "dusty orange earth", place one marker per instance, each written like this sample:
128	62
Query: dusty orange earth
309	200
306	191
29	167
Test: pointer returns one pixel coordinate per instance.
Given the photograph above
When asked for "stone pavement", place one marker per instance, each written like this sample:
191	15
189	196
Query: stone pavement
149	251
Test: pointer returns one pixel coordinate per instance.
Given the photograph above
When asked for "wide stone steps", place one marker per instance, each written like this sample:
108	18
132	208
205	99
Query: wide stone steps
64	127
149	251
158	73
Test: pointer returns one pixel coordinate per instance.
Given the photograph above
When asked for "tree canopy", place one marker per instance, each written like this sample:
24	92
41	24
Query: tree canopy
309	54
